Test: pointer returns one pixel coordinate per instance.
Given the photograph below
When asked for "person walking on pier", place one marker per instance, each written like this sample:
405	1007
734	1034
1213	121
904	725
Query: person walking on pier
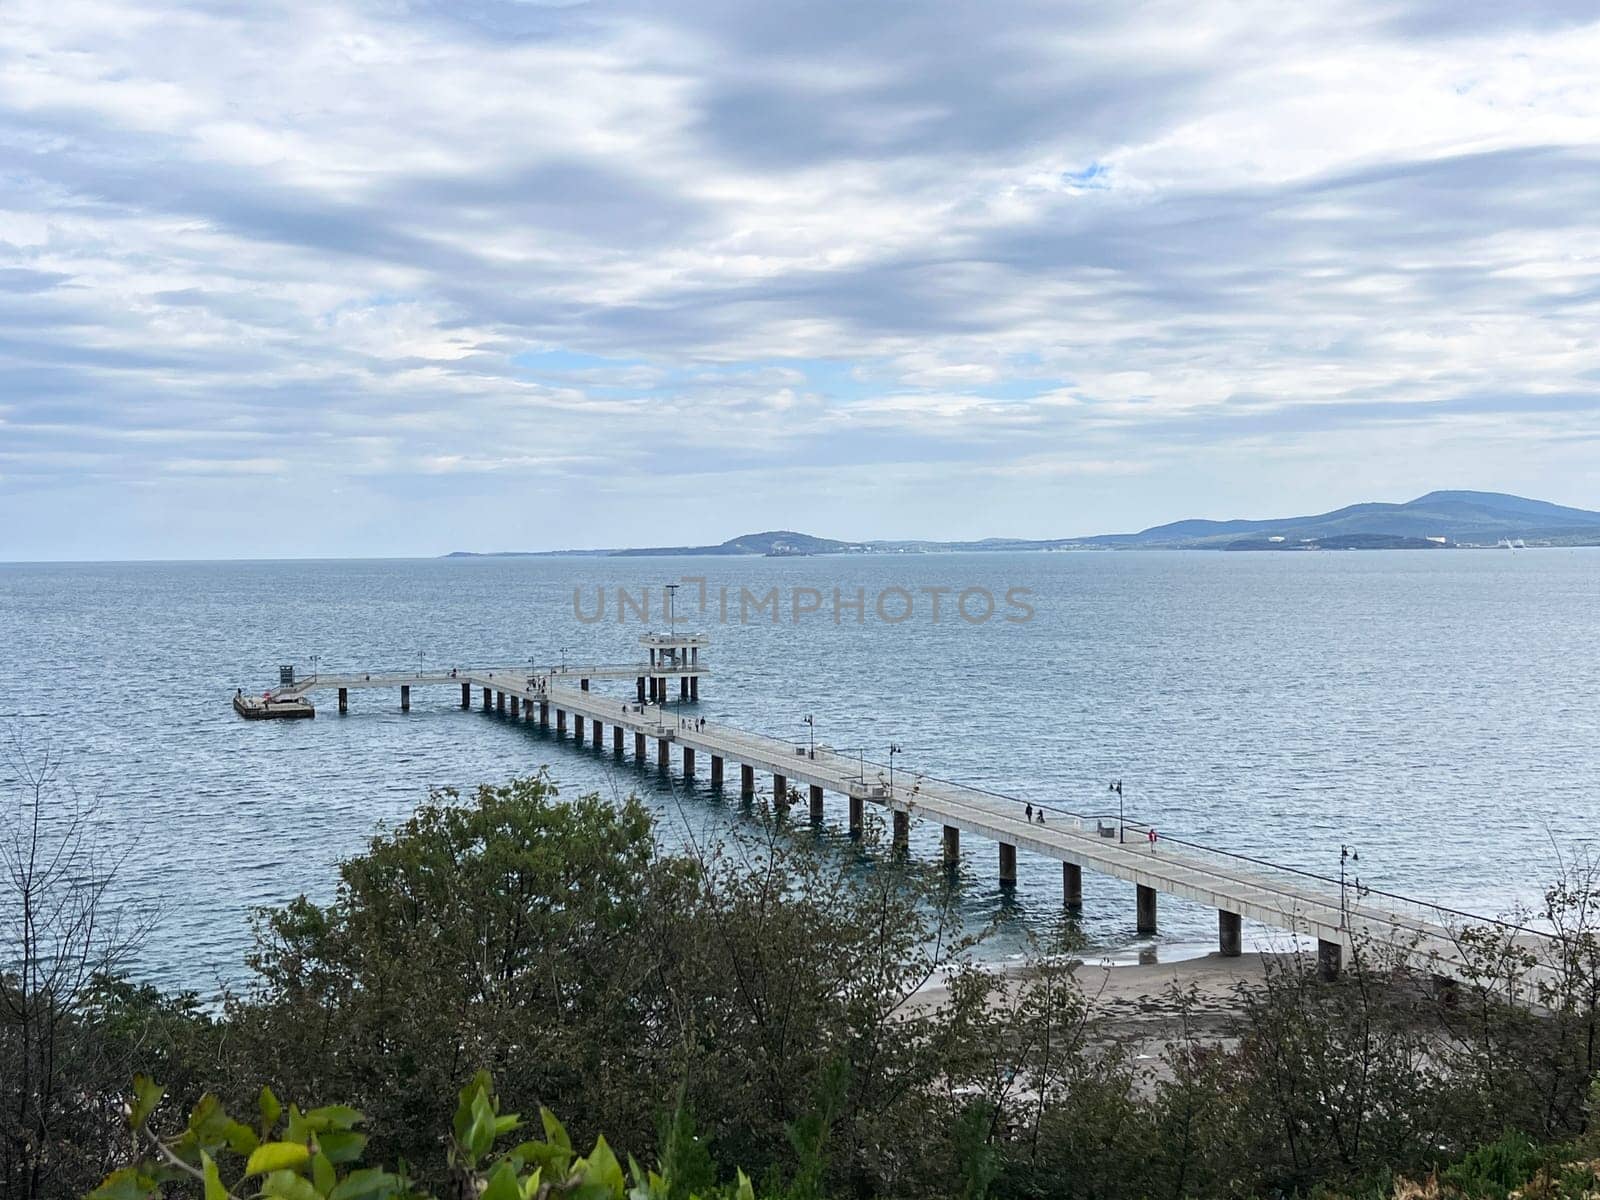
1029	810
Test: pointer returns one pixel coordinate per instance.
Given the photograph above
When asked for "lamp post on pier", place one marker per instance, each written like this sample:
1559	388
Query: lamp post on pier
811	723
1346	855
894	748
1117	788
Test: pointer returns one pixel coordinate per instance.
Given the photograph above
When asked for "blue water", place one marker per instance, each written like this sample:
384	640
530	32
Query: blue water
1436	710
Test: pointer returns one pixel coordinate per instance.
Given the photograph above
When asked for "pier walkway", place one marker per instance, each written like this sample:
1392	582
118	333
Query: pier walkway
1236	886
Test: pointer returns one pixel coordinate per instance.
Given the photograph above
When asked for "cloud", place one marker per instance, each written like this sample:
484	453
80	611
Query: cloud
516	247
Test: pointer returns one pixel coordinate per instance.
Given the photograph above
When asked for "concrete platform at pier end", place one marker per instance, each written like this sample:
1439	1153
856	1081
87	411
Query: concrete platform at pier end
272	708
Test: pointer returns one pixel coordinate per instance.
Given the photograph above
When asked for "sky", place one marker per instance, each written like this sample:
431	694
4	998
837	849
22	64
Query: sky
398	278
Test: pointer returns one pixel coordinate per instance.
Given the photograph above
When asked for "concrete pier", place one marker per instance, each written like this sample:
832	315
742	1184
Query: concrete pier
780	791
1230	935
577	728
500	702
1235	886
616	740
688	762
1145	903
716	770
1072	885
516	708
816	804
902	829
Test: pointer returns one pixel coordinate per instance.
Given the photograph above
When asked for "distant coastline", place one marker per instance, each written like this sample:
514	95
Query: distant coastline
1441	520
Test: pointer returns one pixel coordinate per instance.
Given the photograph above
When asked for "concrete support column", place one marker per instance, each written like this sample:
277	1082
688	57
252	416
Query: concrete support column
694	687
683	687
1008	865
688	762
902	829
641	689
616	739
466	695
488	699
561	721
780	790
1330	957
747	780
1145	903
663	754
816	804
405	697
639	752
858	816
655	689
583	684
1230	936
1072	885
544	714
500	702
599	733
952	846
344	700
577	729
516	706
716	770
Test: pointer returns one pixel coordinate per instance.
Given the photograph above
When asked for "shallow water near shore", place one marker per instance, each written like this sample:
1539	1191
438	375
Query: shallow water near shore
1435	710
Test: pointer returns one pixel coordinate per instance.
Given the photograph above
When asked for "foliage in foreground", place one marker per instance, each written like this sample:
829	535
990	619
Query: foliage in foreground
317	1155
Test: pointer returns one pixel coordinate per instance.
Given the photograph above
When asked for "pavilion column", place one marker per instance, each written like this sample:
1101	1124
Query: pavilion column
1008	865
952	846
1072	885
816	804
694	687
405	697
641	689
683	687
1145	905
1230	934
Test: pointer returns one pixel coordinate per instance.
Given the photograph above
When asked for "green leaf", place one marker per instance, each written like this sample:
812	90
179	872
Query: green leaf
530	1185
746	1191
502	1184
241	1138
286	1185
333	1116
342	1146
602	1168
480	1134
213	1181
297	1130
147	1094
130	1183
271	1110
369	1181
462	1122
322	1173
208	1122
276	1156
554	1132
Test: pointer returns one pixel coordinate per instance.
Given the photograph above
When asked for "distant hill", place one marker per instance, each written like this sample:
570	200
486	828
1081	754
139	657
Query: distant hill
1428	522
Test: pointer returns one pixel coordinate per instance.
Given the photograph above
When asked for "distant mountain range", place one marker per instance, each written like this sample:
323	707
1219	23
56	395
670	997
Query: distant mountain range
1435	521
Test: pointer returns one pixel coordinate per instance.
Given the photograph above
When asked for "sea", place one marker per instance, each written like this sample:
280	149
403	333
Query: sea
1436	714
